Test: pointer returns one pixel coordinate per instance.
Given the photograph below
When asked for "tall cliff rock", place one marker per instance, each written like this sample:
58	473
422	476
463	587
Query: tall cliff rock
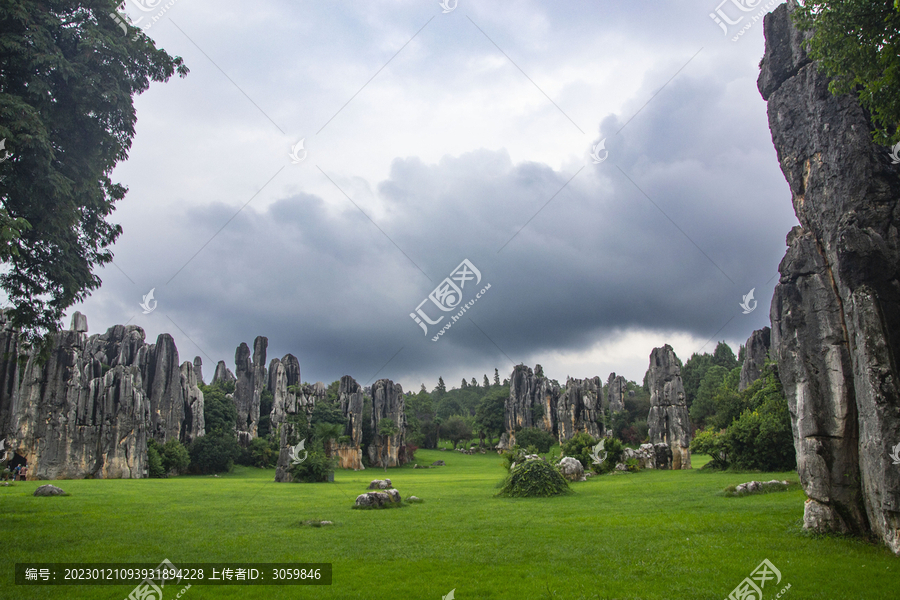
616	391
292	406
756	351
669	420
91	407
250	375
387	404
350	396
532	401
579	408
836	309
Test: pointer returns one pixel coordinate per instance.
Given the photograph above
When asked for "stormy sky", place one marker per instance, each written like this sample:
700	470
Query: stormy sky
433	137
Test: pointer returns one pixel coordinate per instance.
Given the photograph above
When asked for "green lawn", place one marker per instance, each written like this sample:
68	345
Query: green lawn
654	534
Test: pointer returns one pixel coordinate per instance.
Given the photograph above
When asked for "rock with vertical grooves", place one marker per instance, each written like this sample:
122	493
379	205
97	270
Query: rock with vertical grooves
755	354
388	405
193	424
89	410
350	397
162	380
616	391
836	309
198	370
292	404
579	408
250	375
532	401
79	322
669	420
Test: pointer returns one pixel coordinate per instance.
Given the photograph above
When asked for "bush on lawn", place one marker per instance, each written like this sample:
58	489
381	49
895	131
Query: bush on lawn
534	479
531	436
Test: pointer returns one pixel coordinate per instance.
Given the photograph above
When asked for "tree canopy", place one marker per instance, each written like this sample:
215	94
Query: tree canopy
68	77
857	42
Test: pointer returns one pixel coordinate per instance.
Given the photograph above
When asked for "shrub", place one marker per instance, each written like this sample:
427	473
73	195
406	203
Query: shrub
316	467
532	436
154	461
514	455
614	450
580	446
214	453
534	479
262	453
714	444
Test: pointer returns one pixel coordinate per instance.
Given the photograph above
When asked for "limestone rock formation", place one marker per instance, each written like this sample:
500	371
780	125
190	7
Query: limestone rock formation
250	374
579	408
379	484
616	391
292	406
223	373
755	354
198	370
388	405
836	309
650	456
532	401
91	407
350	396
669	420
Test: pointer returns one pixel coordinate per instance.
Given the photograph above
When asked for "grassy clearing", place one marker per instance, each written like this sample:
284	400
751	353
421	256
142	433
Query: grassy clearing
650	535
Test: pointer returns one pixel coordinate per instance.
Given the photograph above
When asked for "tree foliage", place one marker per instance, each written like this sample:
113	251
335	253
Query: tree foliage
857	42
67	81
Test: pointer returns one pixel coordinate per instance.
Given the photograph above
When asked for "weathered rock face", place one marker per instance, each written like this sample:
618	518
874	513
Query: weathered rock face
388	404
755	354
250	374
223	373
292	403
532	400
90	409
350	396
579	408
616	392
836	309
669	420
198	370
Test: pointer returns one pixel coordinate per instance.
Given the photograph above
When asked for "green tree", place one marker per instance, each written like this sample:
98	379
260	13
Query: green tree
532	437
704	404
219	411
68	78
496	378
489	416
857	43
457	429
441	388
420	415
486	384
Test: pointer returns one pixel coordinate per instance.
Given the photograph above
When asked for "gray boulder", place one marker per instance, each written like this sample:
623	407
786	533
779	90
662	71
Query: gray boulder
48	490
377	499
79	323
572	469
438	463
379	484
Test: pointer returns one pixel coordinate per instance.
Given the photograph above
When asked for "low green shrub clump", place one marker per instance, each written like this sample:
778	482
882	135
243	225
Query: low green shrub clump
534	479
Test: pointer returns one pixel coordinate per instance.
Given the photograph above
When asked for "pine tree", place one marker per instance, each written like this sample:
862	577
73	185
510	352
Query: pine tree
496	377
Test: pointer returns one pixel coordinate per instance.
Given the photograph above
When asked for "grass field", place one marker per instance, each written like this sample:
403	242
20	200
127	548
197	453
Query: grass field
653	534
